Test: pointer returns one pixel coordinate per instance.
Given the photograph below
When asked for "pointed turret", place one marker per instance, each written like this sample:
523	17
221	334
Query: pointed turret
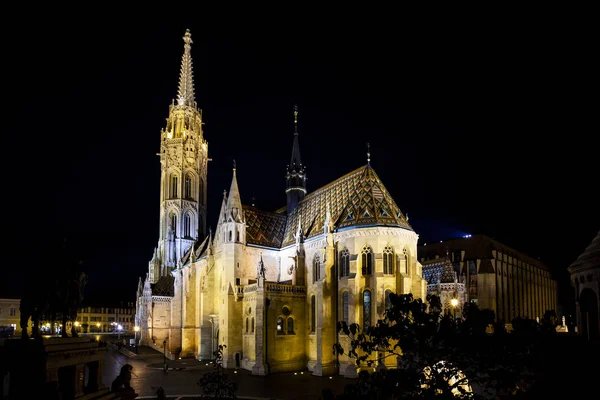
185	95
234	203
296	176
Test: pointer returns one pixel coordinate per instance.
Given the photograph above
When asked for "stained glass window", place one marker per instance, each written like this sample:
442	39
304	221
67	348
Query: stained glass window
367	309
367	261
345	263
388	260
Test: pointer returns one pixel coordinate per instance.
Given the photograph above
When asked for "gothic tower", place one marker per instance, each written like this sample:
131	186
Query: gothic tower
183	161
295	178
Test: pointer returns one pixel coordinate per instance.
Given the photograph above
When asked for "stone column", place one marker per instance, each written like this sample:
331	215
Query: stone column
260	330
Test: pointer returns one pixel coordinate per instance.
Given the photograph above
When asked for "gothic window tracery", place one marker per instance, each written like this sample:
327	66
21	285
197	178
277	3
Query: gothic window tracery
344	263
290	326
174	224
188	187
187	226
388	260
316	269
367	260
174	187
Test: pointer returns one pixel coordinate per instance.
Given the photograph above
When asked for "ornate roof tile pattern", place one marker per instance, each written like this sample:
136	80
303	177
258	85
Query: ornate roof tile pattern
356	199
165	286
264	228
438	271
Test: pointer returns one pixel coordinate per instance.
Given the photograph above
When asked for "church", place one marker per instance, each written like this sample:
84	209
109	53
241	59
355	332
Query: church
269	285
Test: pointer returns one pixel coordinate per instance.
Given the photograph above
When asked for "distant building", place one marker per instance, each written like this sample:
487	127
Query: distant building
442	280
585	278
10	315
495	276
97	318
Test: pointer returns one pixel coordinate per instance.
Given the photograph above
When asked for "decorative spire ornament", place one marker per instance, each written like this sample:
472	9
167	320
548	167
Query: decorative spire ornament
185	95
368	154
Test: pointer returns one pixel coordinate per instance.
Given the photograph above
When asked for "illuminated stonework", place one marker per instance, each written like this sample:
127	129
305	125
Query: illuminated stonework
267	284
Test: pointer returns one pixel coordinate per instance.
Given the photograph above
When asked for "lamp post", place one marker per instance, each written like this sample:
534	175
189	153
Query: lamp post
454	303
136	330
98	326
165	355
77	326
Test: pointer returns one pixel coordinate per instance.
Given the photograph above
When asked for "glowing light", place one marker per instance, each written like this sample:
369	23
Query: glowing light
98	324
454	302
76	323
136	328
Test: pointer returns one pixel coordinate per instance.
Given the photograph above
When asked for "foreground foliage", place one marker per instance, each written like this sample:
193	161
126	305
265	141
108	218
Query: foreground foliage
216	384
437	356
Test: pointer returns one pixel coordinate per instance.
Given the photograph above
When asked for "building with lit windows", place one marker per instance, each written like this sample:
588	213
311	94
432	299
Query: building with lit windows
120	317
494	275
10	316
270	285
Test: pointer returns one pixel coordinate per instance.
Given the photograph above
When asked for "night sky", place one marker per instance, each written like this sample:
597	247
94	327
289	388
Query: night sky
481	127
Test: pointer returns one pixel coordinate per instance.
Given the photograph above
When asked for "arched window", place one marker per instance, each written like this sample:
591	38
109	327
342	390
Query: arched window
252	325
405	258
344	263
230	236
316	269
290	326
237	235
388	260
280	330
174	186
313	309
345	307
246	325
366	309
188	187
367	261
388	301
174	224
187	226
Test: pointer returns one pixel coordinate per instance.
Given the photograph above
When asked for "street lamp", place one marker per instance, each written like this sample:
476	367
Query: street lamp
165	355
98	325
454	303
136	329
76	326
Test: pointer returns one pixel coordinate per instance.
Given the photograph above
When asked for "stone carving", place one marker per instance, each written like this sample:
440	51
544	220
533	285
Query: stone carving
261	268
122	383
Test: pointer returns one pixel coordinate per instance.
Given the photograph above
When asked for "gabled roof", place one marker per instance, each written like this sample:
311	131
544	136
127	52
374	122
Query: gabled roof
590	258
358	198
264	228
439	270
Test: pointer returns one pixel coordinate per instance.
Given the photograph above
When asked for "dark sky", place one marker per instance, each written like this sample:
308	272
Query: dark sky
486	127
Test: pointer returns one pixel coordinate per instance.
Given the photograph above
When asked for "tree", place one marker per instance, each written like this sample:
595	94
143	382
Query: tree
436	355
216	384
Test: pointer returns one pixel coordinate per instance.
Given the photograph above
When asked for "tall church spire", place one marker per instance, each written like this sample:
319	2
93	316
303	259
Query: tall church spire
234	203
296	177
185	95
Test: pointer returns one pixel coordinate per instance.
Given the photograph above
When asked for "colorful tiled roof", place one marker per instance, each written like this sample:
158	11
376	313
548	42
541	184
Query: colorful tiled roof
440	270
358	198
264	228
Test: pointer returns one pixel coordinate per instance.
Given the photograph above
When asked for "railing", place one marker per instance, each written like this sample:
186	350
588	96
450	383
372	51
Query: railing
283	288
447	286
250	288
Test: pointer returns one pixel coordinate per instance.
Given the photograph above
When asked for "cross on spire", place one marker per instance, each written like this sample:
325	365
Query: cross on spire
368	154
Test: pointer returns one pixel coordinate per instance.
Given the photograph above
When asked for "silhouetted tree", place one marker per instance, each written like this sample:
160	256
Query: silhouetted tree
216	384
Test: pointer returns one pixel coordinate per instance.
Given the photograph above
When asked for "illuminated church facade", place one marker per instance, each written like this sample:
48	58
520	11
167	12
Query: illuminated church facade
270	286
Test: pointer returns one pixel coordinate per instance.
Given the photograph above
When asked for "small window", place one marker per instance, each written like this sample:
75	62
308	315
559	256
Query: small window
230	236
388	261
290	326
188	187
13	312
187	226
366	309
252	325
174	224
246	325
344	263
237	235
316	269
280	330
174	187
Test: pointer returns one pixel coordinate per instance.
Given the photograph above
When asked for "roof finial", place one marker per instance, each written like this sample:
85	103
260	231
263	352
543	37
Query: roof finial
234	164
253	200
368	154
295	119
185	95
